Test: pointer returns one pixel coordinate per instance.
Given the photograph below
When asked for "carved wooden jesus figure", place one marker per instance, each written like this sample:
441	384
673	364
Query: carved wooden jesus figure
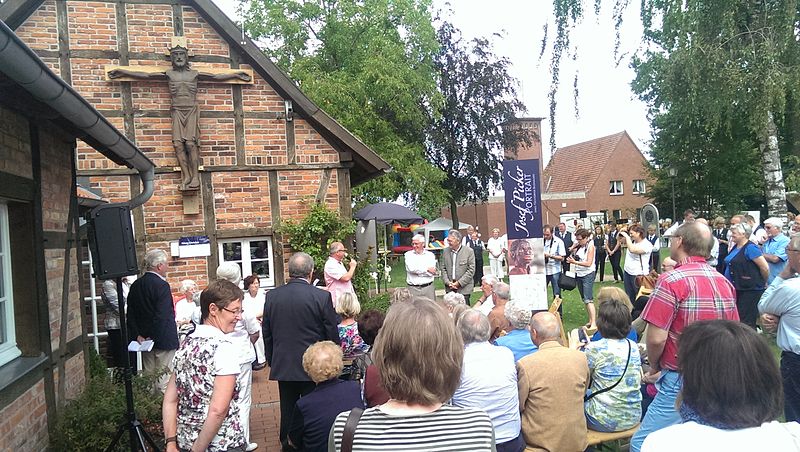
183	109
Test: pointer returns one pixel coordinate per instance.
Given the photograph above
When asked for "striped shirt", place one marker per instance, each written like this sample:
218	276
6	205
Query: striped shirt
447	429
692	291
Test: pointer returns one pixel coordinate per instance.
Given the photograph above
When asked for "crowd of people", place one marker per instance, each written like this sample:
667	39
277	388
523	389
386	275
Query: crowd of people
687	370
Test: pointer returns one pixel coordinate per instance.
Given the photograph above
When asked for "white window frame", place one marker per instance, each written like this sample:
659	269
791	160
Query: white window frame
8	344
641	189
247	262
616	188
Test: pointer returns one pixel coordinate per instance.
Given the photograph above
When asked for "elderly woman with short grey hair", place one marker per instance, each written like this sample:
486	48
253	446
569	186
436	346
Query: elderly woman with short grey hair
747	269
452	299
314	413
518	340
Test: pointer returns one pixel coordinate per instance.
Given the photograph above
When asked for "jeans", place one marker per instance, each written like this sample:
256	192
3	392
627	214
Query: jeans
790	370
553	280
629	282
586	286
661	413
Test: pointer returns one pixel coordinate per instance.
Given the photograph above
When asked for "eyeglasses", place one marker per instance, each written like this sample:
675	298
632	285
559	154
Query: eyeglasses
236	312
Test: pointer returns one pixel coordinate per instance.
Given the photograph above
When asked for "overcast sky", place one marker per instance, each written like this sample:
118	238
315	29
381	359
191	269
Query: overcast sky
606	103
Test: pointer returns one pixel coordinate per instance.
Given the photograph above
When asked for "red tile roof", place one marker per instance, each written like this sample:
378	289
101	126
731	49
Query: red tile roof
575	168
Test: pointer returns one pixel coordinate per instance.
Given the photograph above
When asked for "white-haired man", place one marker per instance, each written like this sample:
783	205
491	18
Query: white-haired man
458	266
420	269
151	315
774	248
489	381
485	303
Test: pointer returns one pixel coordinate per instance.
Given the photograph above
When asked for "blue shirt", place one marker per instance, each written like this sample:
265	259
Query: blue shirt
750	252
519	342
489	383
782	298
777	246
631	335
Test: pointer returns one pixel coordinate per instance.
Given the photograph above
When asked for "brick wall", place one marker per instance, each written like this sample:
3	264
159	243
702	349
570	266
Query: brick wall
23	420
23	423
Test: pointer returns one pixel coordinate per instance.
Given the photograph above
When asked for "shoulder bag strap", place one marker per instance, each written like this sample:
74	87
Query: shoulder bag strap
350	429
627	363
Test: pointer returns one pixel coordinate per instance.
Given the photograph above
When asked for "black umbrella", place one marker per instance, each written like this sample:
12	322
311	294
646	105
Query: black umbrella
387	212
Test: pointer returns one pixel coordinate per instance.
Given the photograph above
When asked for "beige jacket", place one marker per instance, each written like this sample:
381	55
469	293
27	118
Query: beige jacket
552	383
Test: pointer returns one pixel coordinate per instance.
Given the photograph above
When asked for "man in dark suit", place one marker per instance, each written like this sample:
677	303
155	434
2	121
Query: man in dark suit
721	234
565	237
458	266
614	251
151	315
296	315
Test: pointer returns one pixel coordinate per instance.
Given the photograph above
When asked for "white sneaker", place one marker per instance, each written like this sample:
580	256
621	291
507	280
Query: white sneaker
251	446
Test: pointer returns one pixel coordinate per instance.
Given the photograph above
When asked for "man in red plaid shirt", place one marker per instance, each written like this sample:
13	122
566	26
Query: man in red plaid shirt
692	291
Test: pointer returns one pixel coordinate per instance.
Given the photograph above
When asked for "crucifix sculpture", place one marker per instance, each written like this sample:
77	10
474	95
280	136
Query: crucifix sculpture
184	110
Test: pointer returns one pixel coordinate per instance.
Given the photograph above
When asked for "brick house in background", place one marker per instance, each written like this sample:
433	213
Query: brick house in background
607	174
42	348
266	150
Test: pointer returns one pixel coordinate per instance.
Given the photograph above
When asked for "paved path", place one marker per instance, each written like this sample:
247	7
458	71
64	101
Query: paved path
265	412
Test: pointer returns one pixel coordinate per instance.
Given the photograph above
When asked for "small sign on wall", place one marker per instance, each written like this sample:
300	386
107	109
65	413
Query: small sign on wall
195	246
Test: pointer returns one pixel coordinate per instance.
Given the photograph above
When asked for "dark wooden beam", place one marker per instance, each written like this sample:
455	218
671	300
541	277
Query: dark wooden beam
238	114
17	187
63	40
218	168
345	193
277	237
177	19
210	223
138	218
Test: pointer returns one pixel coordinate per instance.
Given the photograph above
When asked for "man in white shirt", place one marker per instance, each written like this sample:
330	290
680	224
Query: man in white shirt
497	246
420	269
489	380
759	235
554	254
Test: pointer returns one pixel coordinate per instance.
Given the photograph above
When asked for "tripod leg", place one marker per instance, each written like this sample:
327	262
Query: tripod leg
144	436
117	436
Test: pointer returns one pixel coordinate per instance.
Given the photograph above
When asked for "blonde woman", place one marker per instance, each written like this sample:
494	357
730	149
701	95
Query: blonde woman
351	342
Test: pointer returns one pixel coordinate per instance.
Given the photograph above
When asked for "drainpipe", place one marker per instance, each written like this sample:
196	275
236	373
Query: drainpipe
20	64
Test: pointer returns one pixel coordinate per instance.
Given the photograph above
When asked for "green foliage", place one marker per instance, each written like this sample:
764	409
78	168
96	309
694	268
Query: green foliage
465	139
370	66
379	302
718	78
314	233
89	422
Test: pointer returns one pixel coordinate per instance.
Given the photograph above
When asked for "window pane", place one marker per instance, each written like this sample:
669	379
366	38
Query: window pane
2	274
261	268
232	251
259	250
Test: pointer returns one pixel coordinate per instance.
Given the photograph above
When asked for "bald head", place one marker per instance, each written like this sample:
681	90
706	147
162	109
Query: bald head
695	240
544	327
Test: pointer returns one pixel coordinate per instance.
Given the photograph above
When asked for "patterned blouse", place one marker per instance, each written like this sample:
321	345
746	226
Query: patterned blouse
620	408
203	355
351	342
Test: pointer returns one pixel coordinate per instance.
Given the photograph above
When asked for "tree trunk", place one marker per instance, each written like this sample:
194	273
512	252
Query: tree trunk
774	187
454	213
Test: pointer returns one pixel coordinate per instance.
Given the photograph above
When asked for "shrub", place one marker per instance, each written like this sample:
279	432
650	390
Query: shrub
90	421
379	302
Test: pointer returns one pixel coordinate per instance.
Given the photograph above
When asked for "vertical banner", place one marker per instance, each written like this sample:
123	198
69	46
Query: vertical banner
523	203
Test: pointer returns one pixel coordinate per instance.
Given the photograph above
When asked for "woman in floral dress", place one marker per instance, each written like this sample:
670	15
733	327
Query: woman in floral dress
614	359
200	410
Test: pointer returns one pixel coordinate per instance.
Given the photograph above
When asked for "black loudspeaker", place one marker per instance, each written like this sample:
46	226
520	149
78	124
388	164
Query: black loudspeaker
582	213
111	241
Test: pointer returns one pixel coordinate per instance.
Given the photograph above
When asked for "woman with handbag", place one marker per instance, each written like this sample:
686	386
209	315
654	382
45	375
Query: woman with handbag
614	401
582	260
418	355
748	270
637	258
600	250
